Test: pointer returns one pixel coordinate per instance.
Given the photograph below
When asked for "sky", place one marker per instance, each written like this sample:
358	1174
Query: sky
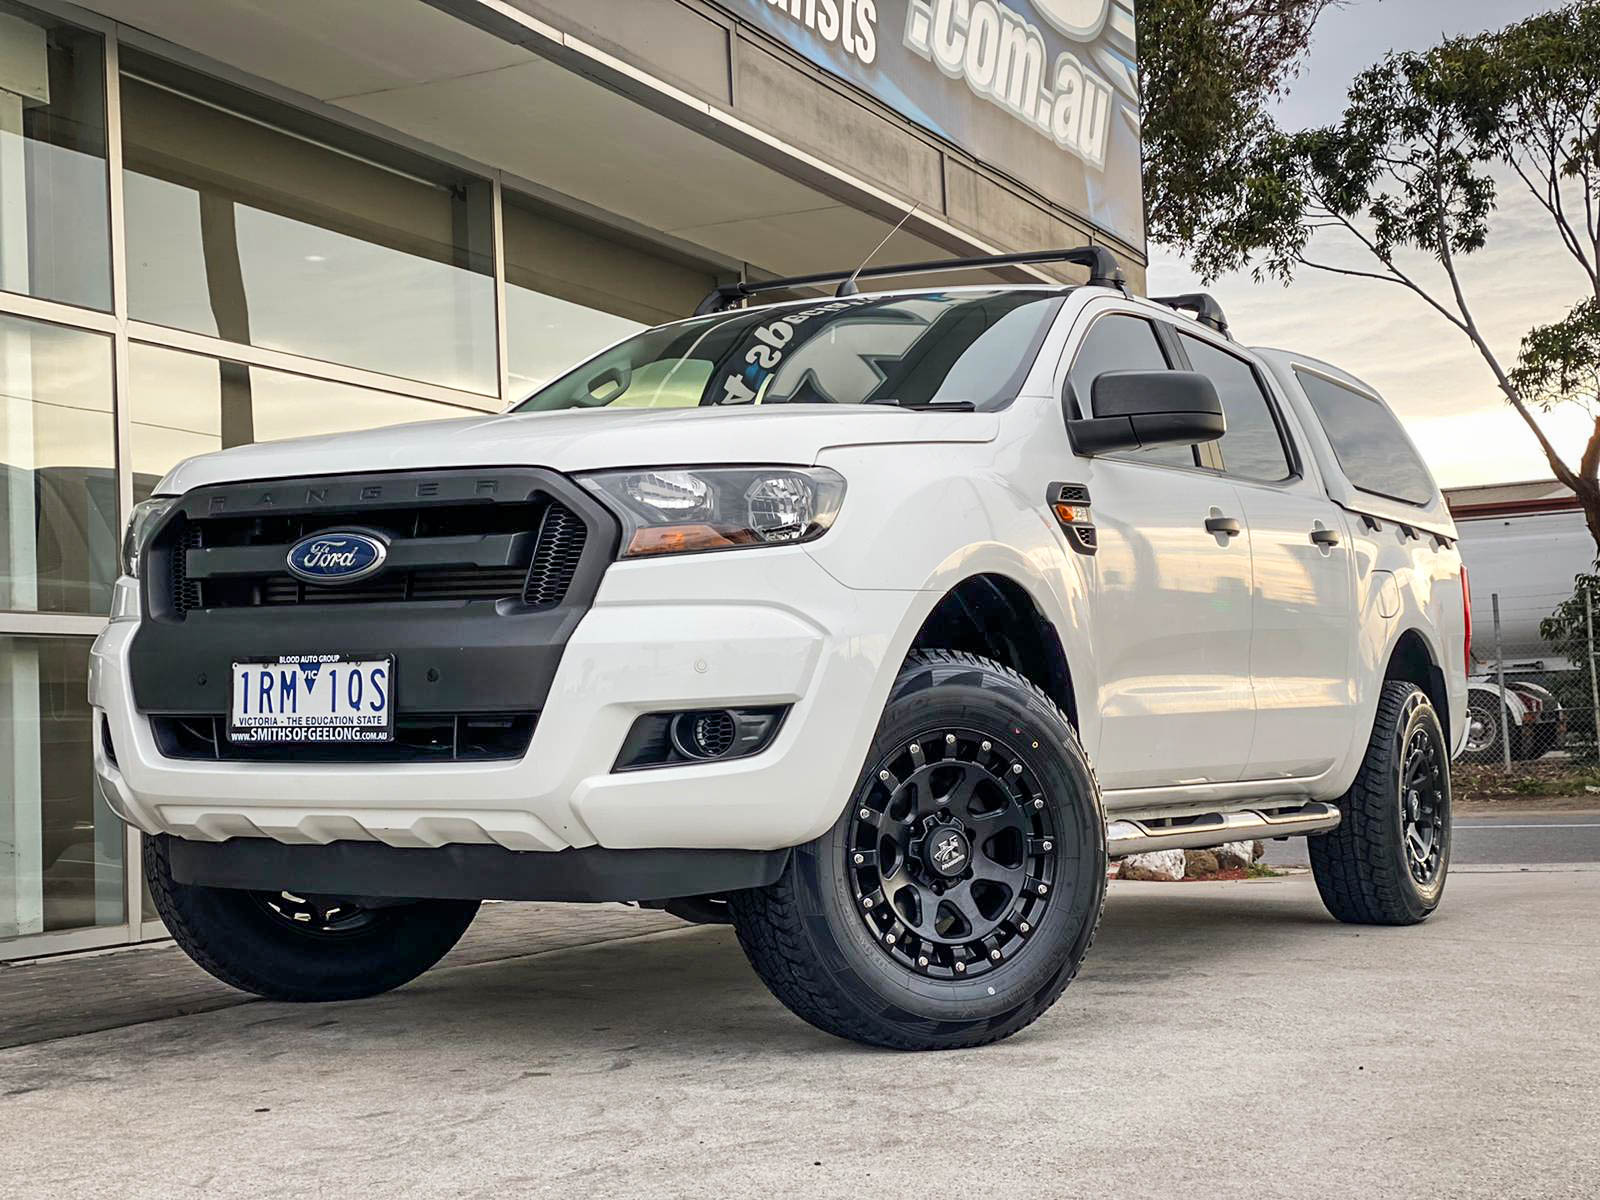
1427	370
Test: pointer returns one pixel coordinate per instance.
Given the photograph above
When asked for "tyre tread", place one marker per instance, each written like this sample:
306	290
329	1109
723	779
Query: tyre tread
769	926
1358	875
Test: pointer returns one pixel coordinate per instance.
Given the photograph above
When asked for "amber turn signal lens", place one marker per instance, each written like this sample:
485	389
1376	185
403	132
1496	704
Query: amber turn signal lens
681	539
1067	514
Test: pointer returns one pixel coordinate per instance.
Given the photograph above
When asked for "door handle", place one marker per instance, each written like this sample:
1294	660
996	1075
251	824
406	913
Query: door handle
1325	537
1224	525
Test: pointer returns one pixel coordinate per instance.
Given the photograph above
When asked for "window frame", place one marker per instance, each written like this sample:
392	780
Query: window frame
1291	450
1166	339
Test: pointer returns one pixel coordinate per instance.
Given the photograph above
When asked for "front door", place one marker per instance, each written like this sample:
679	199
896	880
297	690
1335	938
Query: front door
1171	613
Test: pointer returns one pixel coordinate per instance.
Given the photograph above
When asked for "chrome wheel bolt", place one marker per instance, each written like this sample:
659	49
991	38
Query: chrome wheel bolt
884	775
922	960
866	814
1016	768
1043	888
1024	927
1038	803
995	954
860	858
983	745
949	739
1049	845
961	967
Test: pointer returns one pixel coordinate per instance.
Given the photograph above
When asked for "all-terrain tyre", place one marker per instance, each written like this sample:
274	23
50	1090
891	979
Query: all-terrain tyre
954	899
1386	862
284	946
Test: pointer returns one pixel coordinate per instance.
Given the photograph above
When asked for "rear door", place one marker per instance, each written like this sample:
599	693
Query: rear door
1171	610
1302	639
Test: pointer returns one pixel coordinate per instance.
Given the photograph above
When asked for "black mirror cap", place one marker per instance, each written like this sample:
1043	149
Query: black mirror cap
1137	409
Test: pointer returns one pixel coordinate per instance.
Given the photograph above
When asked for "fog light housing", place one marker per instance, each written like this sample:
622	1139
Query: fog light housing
698	735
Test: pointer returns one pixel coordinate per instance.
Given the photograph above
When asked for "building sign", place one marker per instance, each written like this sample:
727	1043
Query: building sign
1043	90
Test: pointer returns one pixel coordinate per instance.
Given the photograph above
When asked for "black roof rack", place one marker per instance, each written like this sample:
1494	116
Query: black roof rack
1205	309
1104	271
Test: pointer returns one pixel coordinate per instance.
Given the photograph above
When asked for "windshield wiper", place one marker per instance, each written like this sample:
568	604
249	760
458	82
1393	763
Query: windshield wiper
927	405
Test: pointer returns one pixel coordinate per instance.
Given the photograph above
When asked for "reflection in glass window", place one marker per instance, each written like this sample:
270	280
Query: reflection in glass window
186	404
571	291
933	348
1372	449
1119	342
60	848
545	335
58	482
1252	448
54	206
240	230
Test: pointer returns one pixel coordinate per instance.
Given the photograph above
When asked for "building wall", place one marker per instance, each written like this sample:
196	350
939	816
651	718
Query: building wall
1006	184
187	266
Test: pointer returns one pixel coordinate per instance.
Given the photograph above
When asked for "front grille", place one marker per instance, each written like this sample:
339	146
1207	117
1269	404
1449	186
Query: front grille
419	737
555	558
527	551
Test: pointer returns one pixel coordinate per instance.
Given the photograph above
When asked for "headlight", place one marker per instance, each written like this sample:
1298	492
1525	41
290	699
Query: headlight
146	515
718	508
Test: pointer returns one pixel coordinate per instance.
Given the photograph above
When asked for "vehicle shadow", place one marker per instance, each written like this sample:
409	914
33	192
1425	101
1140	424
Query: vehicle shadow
599	1007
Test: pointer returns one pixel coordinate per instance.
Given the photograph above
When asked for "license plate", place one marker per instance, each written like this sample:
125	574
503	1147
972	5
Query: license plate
312	698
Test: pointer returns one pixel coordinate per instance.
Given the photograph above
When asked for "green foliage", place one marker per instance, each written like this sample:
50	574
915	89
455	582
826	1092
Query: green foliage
1566	629
1560	363
1208	70
1409	175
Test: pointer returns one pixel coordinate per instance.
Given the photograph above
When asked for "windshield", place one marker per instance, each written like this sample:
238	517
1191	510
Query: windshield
927	348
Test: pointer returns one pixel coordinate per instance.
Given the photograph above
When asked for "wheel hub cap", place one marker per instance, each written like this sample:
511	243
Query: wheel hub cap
944	851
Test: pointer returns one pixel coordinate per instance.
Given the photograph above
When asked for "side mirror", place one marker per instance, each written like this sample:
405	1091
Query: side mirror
1135	409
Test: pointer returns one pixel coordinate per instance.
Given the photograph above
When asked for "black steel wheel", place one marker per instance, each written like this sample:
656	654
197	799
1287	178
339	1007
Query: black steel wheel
1387	861
959	891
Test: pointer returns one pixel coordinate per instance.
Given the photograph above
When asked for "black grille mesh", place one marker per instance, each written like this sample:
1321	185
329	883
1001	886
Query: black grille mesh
555	558
185	591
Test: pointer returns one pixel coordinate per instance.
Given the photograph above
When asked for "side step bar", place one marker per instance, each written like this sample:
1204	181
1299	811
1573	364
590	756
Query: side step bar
1124	837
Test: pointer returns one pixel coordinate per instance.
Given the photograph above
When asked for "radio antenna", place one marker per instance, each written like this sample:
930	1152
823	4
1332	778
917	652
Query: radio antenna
848	287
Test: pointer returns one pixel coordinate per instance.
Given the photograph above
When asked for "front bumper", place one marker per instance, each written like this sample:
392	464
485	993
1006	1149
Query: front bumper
754	628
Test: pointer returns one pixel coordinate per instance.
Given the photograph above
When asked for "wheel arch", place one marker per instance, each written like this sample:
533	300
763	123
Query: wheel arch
991	614
1412	660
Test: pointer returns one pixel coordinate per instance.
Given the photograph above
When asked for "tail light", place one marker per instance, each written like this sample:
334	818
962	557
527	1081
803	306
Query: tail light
1466	620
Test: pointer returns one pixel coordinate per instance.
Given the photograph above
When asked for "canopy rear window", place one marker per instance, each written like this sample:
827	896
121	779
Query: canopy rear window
1372	449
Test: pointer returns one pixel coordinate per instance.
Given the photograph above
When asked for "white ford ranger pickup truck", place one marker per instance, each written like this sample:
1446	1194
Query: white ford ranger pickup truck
873	624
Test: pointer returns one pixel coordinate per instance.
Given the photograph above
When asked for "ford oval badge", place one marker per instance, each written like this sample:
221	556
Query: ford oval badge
336	556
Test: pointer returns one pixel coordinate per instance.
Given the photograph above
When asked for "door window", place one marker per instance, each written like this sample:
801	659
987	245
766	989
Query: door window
1123	343
1253	446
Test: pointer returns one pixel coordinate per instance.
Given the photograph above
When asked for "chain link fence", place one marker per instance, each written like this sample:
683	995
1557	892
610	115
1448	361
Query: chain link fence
1542	709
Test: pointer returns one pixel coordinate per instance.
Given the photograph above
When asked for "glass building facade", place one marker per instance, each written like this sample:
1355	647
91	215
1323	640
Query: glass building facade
188	265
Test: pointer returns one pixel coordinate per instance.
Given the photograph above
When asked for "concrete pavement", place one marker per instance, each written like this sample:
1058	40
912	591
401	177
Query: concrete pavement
1223	1038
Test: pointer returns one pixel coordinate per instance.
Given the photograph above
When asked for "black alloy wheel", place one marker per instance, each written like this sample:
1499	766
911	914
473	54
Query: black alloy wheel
961	886
1423	814
952	853
317	916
